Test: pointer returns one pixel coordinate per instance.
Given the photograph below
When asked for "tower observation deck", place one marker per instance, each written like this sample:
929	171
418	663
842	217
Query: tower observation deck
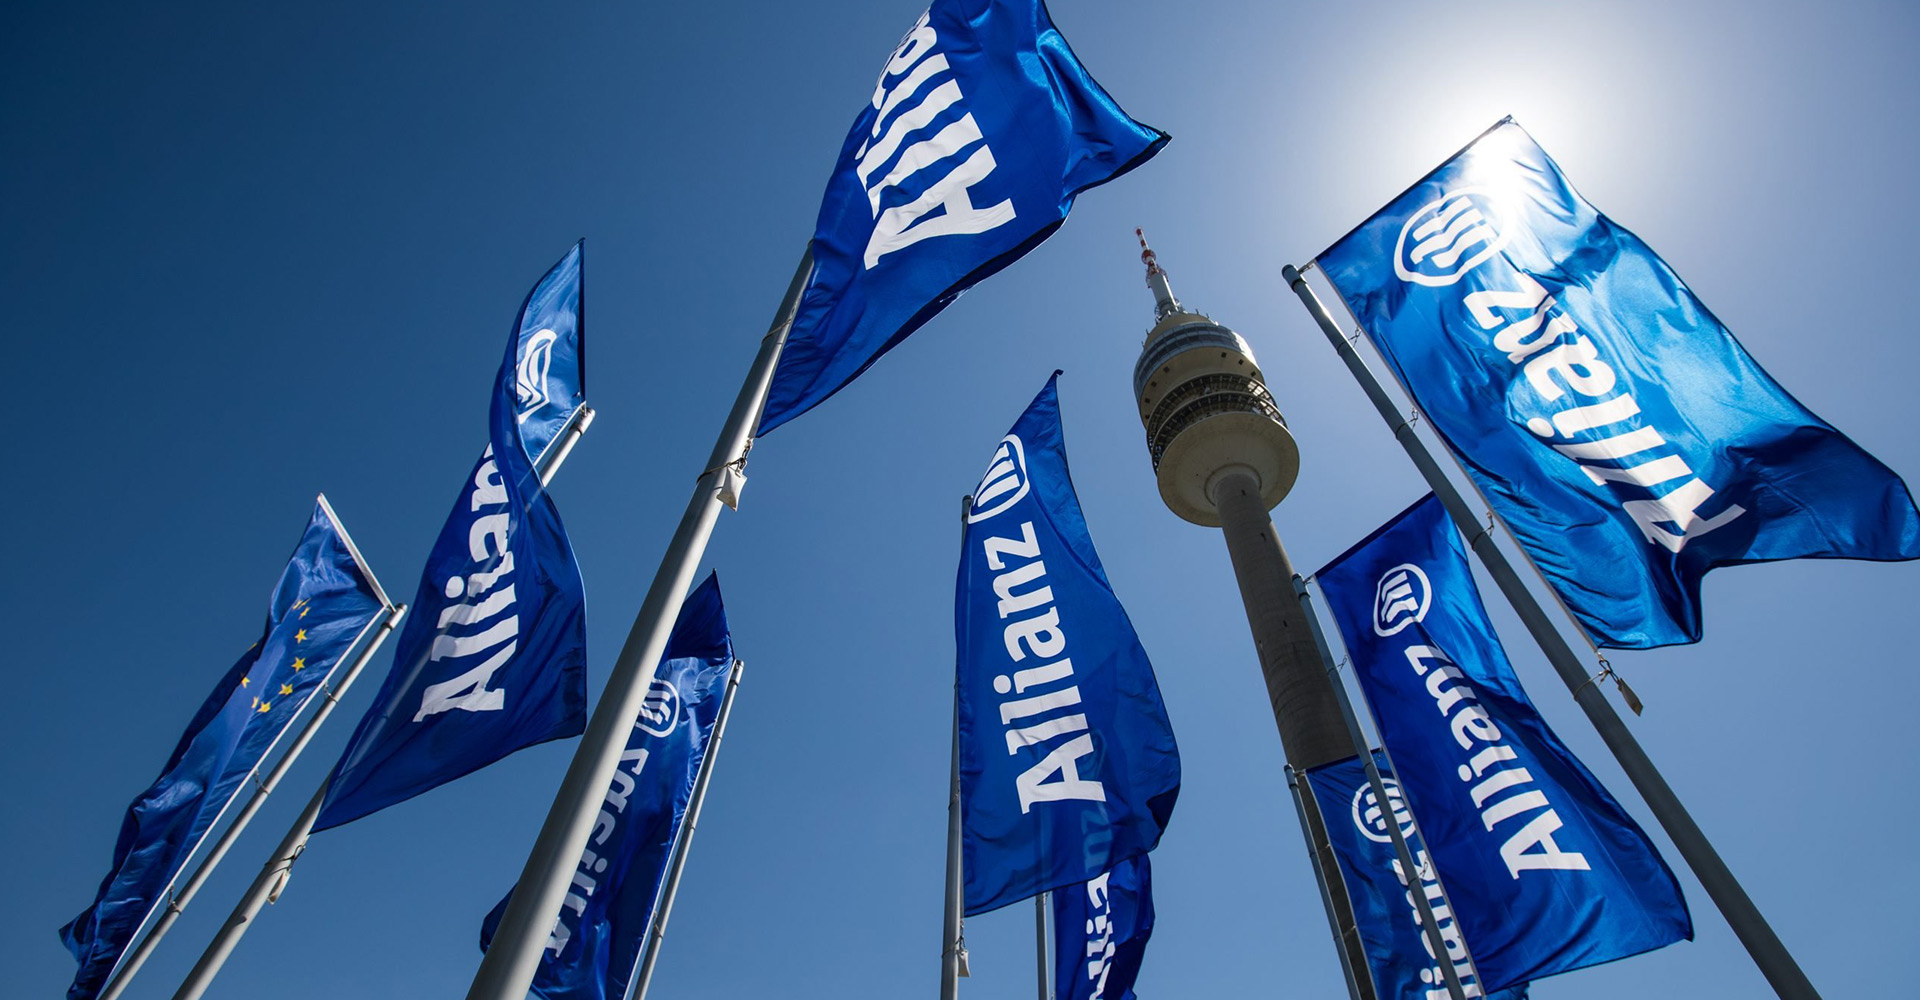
1206	407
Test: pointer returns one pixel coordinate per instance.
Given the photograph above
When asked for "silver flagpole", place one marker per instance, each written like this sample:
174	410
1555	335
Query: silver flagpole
509	965
1320	879
951	931
265	889
1435	940
1775	962
657	932
1040	943
267	886
130	966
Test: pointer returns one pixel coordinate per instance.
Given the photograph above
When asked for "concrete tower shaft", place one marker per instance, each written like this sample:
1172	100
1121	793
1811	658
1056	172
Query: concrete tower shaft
1224	457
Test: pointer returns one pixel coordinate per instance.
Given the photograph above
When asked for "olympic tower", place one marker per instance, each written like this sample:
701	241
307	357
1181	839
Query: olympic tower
1224	457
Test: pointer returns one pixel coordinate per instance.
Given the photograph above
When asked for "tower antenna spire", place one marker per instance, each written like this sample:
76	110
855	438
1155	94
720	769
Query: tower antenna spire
1163	301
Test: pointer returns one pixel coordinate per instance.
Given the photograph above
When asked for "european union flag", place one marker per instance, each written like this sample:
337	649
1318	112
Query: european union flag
325	602
602	926
1067	762
982	129
1545	872
1100	932
1618	428
493	657
1400	957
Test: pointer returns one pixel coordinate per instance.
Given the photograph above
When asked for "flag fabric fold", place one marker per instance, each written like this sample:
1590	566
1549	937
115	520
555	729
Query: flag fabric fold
1621	432
1100	932
1067	761
323	605
1544	871
982	129
492	658
602	925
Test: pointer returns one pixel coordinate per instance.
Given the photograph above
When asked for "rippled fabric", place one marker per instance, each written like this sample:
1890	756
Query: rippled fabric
982	128
1623	434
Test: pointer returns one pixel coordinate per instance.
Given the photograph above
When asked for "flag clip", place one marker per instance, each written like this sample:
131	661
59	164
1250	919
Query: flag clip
733	479
286	872
1634	704
1632	700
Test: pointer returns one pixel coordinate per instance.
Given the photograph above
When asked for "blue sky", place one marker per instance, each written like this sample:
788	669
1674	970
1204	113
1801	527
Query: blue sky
256	252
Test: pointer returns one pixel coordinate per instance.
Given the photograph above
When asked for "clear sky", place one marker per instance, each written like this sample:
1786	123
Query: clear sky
254	252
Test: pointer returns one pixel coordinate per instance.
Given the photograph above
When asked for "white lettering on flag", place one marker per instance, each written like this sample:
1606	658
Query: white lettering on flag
493	627
1531	846
1039	713
946	207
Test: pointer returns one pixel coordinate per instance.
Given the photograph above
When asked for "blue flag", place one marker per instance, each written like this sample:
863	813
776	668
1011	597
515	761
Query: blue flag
1400	956
325	602
1100	932
1067	762
982	128
493	656
1623	434
1545	871
596	940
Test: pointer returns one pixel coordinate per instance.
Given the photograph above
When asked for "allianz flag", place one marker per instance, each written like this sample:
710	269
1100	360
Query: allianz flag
493	657
1400	956
602	925
982	128
1623	434
324	604
1100	932
1544	870
1067	763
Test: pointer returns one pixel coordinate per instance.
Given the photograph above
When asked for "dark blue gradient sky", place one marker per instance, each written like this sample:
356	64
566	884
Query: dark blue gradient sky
254	252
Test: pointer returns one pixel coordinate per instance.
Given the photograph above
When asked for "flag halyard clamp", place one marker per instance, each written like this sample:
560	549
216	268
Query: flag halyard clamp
1634	704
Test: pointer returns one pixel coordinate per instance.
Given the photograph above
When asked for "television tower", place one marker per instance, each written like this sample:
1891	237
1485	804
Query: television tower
1224	457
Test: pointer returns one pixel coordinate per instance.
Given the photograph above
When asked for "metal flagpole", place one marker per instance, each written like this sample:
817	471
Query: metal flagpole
265	889
1320	879
130	965
509	965
267	886
1435	940
557	453
657	932
1775	962
1040	944
952	923
955	914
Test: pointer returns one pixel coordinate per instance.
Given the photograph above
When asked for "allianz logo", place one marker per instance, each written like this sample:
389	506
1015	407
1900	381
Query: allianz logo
660	712
1005	483
1449	237
1402	598
1371	820
530	378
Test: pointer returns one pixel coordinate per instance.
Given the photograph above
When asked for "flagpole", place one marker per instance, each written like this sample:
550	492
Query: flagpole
265	889
1320	879
1435	940
177	904
1040	943
657	930
273	876
511	961
1765	947
954	914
